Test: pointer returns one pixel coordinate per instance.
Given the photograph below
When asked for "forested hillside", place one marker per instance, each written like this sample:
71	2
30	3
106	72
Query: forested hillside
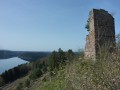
37	68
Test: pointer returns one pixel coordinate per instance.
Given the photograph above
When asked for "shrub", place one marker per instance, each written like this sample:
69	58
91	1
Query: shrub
20	86
1	81
27	82
44	79
35	73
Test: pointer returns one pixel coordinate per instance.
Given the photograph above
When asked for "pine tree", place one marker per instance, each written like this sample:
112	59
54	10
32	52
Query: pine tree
1	81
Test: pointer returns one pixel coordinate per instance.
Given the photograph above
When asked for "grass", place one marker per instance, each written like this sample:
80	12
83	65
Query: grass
56	82
89	75
81	74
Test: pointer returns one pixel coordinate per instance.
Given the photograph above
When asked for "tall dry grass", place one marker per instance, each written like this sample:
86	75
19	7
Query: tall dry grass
102	74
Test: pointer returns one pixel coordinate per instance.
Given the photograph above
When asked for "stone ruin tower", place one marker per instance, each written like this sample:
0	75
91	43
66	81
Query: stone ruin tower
101	33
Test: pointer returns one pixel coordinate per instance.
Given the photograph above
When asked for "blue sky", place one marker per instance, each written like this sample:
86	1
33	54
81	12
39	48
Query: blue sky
46	25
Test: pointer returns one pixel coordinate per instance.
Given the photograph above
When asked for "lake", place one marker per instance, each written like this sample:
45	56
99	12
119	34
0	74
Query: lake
6	64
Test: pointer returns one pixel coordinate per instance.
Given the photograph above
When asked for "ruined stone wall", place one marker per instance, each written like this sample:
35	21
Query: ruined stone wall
90	39
101	34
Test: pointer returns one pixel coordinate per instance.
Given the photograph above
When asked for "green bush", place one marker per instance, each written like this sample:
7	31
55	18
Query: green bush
35	73
44	79
20	86
27	82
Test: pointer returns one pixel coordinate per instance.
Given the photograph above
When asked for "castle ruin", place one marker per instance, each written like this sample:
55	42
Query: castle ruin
101	32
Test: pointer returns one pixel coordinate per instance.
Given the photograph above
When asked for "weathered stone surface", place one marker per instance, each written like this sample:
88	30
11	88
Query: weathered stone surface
101	34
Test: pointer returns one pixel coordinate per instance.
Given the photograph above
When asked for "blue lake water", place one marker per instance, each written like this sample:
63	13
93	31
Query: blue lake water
6	64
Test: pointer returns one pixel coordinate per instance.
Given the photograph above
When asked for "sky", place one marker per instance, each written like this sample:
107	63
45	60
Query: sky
46	25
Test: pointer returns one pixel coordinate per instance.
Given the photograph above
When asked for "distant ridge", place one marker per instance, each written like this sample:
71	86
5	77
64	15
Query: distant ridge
25	55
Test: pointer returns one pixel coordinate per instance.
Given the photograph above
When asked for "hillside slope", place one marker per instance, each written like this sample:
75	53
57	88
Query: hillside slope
81	74
86	75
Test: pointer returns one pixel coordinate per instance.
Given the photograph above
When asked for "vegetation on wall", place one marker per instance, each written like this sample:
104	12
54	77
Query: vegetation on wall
88	21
